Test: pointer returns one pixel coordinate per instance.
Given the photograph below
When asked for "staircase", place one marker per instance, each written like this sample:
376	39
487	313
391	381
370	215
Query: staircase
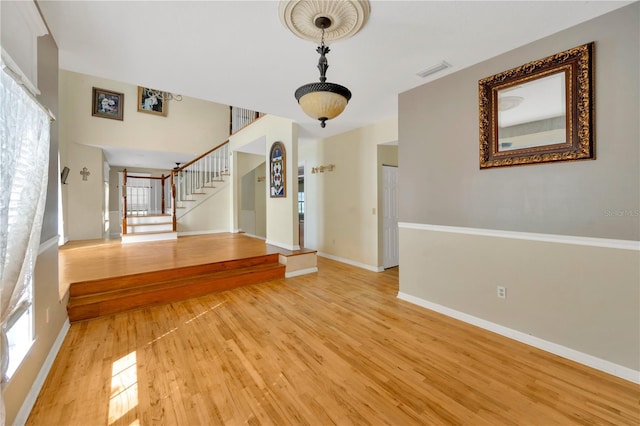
149	228
91	299
153	206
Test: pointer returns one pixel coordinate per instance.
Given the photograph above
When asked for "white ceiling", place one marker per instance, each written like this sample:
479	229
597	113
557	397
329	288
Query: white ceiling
238	53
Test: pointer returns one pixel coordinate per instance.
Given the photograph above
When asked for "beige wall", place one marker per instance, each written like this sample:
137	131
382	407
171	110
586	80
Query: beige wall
85	198
192	126
583	298
209	216
281	213
341	207
253	198
50	313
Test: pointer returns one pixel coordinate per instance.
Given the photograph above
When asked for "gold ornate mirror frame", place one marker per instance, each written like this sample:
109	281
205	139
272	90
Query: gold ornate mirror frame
538	112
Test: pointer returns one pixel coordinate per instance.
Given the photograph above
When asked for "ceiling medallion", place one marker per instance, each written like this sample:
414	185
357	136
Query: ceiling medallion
347	17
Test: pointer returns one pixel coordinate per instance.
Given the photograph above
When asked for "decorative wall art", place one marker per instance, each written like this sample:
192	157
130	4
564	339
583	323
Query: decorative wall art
538	112
107	104
152	101
277	170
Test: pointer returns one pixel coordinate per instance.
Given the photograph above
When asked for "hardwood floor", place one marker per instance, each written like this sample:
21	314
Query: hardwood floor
336	347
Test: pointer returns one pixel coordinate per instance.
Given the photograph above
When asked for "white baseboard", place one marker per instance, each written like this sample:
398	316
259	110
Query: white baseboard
301	272
51	242
255	236
283	245
213	231
554	348
352	262
30	400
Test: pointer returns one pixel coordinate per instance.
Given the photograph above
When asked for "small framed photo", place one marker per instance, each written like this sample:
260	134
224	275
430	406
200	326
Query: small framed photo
152	101
107	104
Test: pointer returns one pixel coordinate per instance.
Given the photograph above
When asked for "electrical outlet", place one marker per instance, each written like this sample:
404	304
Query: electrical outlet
502	292
46	314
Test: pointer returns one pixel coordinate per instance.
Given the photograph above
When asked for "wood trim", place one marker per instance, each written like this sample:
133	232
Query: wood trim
200	157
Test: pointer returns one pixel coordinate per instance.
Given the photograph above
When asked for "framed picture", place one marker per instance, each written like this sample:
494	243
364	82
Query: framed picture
277	171
107	104
539	112
152	101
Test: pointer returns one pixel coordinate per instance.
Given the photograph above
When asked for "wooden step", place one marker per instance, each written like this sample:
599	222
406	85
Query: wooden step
148	236
104	297
85	288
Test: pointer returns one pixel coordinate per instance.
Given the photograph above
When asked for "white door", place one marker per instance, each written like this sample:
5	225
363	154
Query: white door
390	255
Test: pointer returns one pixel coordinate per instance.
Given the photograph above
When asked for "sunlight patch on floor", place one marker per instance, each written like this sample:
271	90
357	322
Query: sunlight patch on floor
124	388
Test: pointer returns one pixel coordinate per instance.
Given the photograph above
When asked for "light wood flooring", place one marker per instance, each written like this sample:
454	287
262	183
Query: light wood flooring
98	259
336	347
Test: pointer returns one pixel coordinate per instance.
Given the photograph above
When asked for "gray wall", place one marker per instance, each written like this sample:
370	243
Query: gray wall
438	132
48	86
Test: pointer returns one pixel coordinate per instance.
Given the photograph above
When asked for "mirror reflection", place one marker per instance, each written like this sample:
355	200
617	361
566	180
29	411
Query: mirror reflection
533	114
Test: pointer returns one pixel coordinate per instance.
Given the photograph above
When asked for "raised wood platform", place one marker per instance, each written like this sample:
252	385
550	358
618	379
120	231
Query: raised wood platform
105	277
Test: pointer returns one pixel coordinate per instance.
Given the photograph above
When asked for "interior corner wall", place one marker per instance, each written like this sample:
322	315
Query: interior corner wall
341	206
585	298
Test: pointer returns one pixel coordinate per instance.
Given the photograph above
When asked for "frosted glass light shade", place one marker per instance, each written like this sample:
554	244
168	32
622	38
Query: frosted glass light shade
323	101
323	104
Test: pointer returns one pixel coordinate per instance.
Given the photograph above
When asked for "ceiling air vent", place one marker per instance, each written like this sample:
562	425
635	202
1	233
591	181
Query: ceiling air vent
433	69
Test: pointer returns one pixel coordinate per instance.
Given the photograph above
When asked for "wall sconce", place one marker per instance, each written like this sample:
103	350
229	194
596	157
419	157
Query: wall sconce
322	169
64	175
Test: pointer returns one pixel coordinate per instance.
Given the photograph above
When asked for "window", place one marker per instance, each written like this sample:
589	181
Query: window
24	155
301	204
19	331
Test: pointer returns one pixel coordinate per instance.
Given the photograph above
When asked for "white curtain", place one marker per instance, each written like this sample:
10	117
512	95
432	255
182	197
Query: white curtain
24	163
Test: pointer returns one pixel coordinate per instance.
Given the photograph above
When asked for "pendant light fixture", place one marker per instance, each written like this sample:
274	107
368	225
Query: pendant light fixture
328	21
323	101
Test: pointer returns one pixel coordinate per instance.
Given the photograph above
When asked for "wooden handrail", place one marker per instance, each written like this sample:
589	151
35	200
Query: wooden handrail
124	202
181	168
173	197
162	191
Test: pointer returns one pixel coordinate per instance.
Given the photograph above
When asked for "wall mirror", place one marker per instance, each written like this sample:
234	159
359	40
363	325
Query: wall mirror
538	112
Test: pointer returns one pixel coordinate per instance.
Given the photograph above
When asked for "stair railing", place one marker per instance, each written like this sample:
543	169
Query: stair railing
142	196
185	181
202	172
242	117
